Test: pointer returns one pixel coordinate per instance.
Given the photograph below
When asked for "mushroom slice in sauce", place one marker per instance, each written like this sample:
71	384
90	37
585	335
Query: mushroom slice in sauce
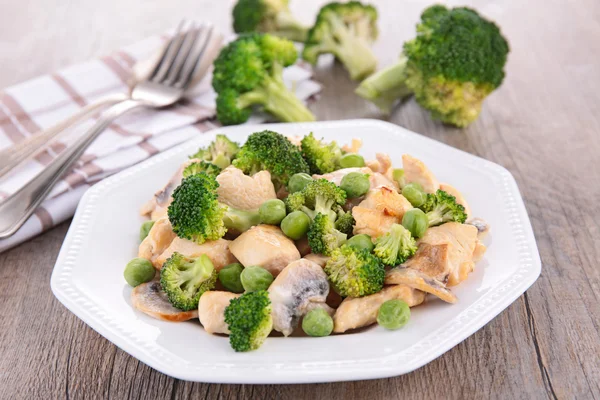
418	280
150	299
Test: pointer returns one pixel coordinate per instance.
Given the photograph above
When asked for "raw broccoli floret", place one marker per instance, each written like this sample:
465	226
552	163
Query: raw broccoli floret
321	157
248	73
441	207
185	279
271	151
196	214
345	222
354	272
199	167
318	196
396	246
323	238
346	31
220	152
267	16
454	63
249	320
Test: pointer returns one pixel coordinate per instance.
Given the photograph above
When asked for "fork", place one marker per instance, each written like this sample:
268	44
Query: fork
164	86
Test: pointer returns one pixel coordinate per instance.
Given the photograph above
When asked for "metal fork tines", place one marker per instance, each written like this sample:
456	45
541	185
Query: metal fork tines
181	60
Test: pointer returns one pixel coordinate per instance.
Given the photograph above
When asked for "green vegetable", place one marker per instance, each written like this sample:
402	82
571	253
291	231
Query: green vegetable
321	157
361	242
413	192
398	175
268	16
256	278
220	152
442	207
396	246
319	196
201	166
416	222
229	277
355	184
345	221
272	212
352	160
248	73
454	63
298	182
249	320
138	271
145	229
354	272
393	314
323	238
271	151
185	279
295	225
317	323
346	31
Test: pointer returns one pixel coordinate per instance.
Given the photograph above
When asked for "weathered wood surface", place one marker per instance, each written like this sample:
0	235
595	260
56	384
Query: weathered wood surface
543	125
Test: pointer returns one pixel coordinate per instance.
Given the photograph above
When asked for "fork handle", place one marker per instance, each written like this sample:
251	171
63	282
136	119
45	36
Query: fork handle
18	207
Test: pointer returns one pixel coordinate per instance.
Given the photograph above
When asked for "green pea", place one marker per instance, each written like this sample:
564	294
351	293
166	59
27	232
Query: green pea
255	278
145	229
230	278
298	182
272	212
317	323
352	160
362	242
416	222
295	225
398	175
393	314
355	184
138	271
414	194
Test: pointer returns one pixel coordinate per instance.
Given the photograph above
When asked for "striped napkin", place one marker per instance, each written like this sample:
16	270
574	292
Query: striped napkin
42	102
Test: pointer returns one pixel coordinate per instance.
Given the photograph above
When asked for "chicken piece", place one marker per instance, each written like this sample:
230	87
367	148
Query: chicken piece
372	222
460	199
216	250
244	192
266	246
479	251
353	147
297	286
446	252
416	171
319	259
382	164
419	280
150	299
211	310
362	311
381	208
159	238
296	140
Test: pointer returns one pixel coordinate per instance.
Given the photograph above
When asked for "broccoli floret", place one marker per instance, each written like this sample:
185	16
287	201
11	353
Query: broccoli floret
396	246
267	16
220	152
318	196
248	72
321	157
271	151
346	31
454	63
199	167
441	207
345	222
354	272
185	279
249	320
323	238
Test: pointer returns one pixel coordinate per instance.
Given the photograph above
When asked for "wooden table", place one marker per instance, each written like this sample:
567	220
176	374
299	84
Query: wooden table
543	125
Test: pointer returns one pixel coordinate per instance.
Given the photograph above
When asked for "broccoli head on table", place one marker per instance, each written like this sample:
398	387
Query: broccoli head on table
267	16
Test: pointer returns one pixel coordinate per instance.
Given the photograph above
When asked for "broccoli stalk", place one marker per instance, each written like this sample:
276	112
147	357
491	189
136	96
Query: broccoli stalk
323	238
185	279
220	152
354	272
322	158
318	196
267	16
240	220
249	320
396	246
386	87
441	207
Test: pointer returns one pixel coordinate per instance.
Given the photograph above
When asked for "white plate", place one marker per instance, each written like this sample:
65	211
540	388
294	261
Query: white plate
88	276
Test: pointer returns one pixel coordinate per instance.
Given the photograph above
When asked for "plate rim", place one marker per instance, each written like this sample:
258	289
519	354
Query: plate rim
430	347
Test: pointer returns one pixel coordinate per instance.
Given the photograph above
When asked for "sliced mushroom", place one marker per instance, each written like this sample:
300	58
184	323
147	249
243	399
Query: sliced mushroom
150	299
292	293
483	228
418	280
211	310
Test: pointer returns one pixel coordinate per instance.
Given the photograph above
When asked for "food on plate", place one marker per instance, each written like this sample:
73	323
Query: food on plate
352	160
454	63
256	244
248	73
268	16
145	229
345	30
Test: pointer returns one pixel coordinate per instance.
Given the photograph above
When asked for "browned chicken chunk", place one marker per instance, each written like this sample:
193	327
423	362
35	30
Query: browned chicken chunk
216	250
211	310
242	191
381	208
159	238
419	280
416	171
